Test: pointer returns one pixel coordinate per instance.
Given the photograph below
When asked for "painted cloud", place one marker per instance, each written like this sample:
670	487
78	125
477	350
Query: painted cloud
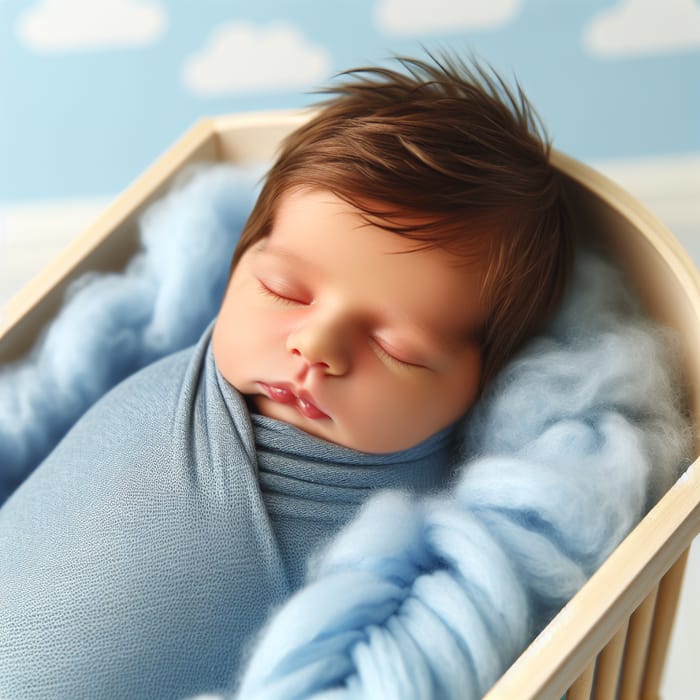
243	58
418	17
87	25
638	27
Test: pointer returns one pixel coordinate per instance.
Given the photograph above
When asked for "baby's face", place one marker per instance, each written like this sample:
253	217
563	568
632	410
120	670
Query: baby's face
343	330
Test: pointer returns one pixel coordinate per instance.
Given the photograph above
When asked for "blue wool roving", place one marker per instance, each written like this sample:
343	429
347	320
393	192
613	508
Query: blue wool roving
113	324
435	597
419	596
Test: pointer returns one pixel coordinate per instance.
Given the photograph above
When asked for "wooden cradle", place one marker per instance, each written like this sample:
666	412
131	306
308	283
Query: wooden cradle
611	639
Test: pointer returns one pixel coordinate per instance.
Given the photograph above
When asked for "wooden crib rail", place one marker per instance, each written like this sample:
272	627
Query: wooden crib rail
615	631
630	666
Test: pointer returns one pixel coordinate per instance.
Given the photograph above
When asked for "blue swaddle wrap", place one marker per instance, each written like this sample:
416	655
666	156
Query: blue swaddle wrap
147	550
144	555
116	554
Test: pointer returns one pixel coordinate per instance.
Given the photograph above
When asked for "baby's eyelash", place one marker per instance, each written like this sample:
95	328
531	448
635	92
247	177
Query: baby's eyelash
276	296
386	356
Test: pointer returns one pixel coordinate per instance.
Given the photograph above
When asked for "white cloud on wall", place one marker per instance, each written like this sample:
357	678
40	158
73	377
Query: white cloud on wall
242	58
638	27
417	17
79	25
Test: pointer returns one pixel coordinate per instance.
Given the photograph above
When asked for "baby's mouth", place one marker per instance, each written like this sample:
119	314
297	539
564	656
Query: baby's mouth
301	400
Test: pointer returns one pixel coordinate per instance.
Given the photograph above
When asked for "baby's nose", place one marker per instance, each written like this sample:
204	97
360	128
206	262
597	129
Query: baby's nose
322	343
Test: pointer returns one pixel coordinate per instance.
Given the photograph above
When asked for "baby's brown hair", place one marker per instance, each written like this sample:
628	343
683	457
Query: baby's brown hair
451	146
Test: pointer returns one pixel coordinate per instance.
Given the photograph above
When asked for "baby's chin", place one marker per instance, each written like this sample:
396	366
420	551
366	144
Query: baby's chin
332	431
290	414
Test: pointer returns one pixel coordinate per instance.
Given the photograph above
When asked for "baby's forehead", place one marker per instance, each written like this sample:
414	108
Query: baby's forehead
342	223
467	237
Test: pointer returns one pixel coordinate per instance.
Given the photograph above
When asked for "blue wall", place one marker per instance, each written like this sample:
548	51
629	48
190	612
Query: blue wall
91	91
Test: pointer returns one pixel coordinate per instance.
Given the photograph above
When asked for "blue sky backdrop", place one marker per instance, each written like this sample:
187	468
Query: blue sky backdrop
91	91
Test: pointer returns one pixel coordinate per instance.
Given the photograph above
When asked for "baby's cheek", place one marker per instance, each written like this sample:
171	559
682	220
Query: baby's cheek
231	344
467	371
455	391
224	351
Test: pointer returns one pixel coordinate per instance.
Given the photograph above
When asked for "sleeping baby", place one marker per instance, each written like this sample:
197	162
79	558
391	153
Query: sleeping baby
408	240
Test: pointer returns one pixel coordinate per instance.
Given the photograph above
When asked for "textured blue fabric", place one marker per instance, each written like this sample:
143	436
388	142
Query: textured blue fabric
310	486
144	553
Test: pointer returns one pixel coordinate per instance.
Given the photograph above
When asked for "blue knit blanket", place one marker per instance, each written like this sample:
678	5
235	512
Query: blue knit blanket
571	445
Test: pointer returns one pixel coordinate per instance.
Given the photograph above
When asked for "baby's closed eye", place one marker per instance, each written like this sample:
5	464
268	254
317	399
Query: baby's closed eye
391	355
284	292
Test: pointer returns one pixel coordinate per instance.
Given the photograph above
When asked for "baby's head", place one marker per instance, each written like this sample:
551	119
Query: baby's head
409	238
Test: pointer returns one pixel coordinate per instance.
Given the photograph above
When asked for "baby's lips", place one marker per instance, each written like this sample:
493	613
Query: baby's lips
309	409
282	393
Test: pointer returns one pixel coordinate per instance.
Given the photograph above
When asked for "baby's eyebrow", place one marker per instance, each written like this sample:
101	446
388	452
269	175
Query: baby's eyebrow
287	254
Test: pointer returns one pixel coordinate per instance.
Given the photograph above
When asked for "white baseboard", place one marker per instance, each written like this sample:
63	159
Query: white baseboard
668	185
33	233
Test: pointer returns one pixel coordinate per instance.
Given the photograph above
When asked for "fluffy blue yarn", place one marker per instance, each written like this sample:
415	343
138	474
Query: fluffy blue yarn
574	441
111	325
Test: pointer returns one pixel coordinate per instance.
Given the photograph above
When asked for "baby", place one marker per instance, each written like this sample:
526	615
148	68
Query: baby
409	238
407	241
